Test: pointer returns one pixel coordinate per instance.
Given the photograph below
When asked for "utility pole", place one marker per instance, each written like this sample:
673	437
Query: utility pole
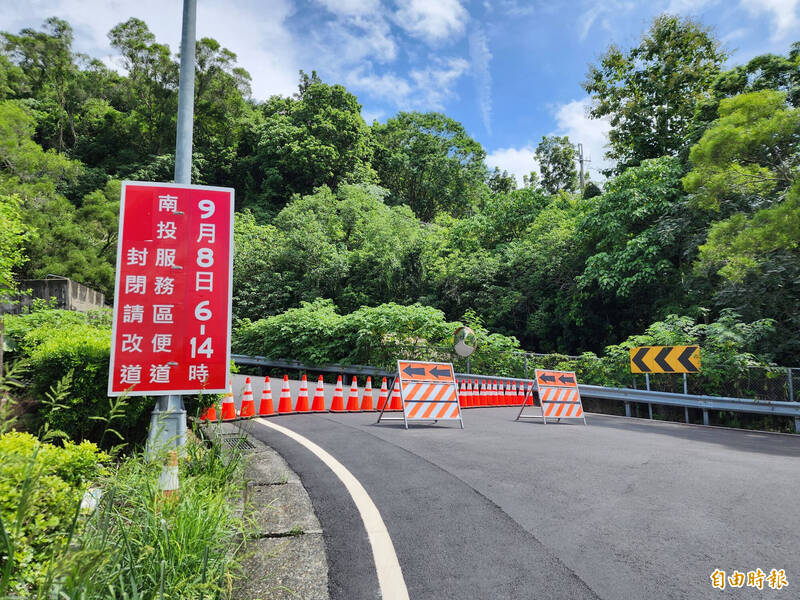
582	160
168	420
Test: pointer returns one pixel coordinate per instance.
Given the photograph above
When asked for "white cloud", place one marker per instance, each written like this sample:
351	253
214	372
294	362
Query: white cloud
572	120
434	84
255	32
431	20
352	7
783	13
517	161
386	86
480	56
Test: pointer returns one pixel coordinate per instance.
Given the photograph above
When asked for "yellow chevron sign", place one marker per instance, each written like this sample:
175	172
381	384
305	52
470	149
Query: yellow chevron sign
665	359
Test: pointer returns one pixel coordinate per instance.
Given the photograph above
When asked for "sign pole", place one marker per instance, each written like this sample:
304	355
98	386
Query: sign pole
168	420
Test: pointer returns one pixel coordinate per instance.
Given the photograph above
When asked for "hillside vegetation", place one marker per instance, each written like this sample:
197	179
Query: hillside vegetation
700	217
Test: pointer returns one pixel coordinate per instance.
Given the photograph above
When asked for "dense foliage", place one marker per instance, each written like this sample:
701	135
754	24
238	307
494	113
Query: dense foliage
699	215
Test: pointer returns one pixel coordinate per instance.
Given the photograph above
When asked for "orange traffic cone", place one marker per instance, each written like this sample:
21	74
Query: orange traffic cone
285	403
397	401
367	402
228	407
484	393
248	408
468	397
507	394
302	397
530	394
352	399
210	414
495	394
337	404
266	407
474	394
383	395
513	393
462	395
319	397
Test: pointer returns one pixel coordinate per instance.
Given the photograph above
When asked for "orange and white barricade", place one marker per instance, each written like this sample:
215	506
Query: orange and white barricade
559	397
429	392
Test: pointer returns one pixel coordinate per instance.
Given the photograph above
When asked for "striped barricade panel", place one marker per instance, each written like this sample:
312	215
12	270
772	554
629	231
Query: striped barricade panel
559	396
425	400
429	392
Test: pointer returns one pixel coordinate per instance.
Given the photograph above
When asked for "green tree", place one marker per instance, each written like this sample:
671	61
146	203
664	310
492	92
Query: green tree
152	90
649	93
12	236
750	156
299	144
428	162
556	158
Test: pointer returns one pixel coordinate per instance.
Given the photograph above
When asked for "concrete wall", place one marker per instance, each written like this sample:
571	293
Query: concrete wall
69	295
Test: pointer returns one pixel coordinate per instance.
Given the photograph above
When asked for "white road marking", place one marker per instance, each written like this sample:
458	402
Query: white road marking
390	576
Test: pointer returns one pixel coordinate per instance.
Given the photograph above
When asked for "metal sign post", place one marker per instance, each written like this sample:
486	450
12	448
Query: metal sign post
172	308
168	420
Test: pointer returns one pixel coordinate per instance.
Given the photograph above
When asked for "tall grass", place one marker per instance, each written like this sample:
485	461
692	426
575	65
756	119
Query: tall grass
140	545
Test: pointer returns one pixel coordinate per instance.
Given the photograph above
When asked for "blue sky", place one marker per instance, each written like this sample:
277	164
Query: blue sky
509	70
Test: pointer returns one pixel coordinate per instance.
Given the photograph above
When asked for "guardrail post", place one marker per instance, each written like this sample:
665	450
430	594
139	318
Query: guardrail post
650	410
627	409
705	417
797	424
686	413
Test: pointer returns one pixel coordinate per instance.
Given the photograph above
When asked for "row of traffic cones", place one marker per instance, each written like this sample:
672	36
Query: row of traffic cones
490	393
266	407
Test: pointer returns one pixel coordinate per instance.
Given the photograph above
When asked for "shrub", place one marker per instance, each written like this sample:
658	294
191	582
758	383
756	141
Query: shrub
82	350
40	487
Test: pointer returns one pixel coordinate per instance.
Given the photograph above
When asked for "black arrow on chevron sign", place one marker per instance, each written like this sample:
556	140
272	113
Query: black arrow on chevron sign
661	359
547	378
638	359
685	356
565	379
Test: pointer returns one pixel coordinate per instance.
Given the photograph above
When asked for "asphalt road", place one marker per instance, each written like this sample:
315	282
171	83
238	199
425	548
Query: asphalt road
620	508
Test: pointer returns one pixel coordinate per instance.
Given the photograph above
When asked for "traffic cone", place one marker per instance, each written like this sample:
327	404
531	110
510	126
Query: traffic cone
470	394
302	397
319	397
168	481
248	408
513	392
495	394
397	401
209	414
367	402
507	398
482	394
266	407
285	403
228	407
352	399
462	395
530	401
383	395
337	405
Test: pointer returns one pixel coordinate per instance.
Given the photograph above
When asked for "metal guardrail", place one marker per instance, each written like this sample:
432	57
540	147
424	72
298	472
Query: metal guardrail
626	395
294	365
704	403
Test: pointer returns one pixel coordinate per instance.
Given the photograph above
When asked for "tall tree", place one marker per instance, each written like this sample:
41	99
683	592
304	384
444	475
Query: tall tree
556	158
298	144
649	93
427	161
